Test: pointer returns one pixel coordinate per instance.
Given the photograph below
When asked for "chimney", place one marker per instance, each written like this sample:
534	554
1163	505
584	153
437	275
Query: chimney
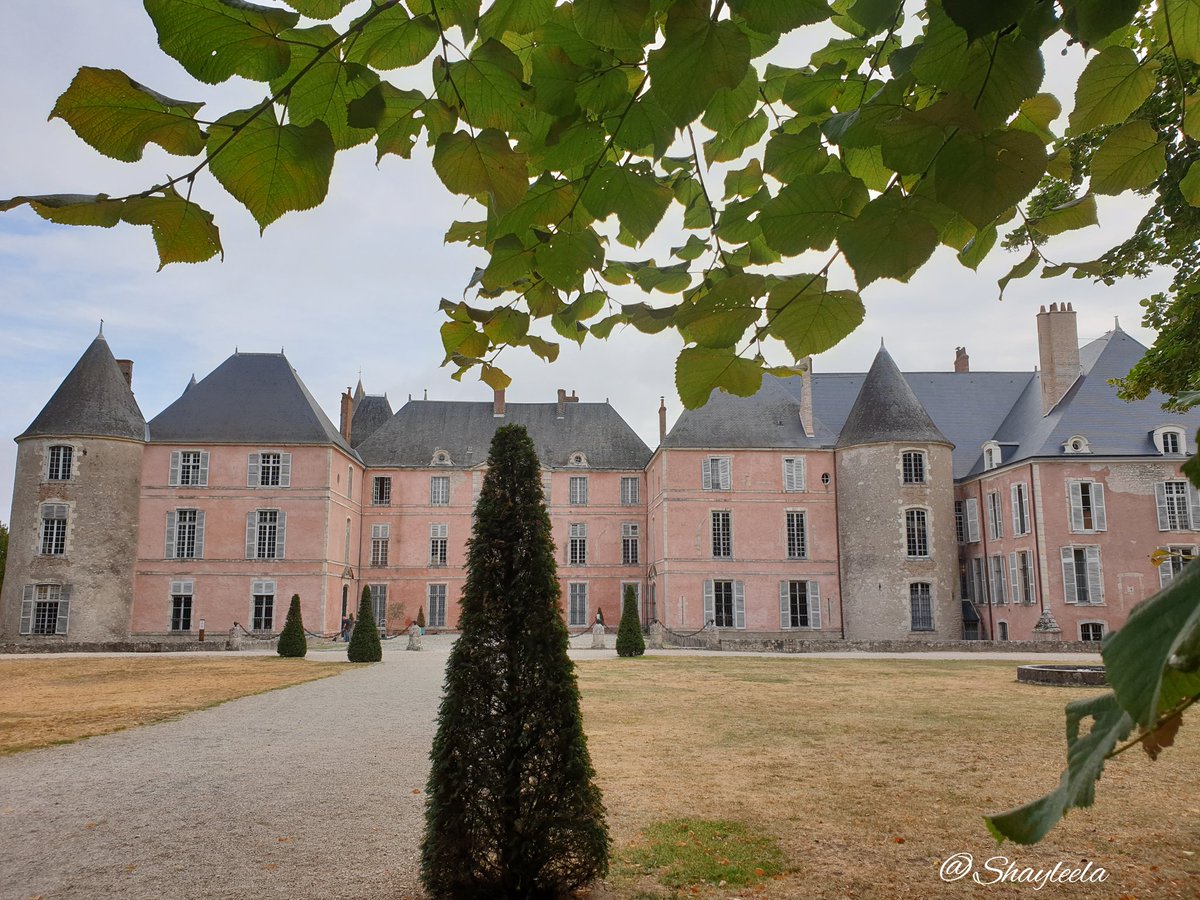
806	396
962	362
563	400
347	415
1058	352
498	403
126	367
662	419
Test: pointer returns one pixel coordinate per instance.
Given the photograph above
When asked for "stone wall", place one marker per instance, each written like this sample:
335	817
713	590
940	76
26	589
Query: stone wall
765	644
46	646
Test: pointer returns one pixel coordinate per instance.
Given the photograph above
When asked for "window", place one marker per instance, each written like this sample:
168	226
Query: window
1091	631
991	455
1076	444
185	534
1020	570
913	467
379	605
349	482
971	516
262	613
995	517
722	536
181	605
54	529
799	604
441	458
577	544
346	544
547	483
1086	499
578	494
188	468
265	534
380	535
269	470
1002	628
916	533
45	608
715	473
1173	561
577	612
439	490
381	490
629	543
1177	506
58	462
999	590
631	491
725	604
1170	442
439	539
920	602
978	594
1020	508
437	606
960	523
797	535
1083	580
793	474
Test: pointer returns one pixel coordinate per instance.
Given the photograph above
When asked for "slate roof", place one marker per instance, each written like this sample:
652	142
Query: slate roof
771	418
464	431
94	399
886	409
249	398
370	412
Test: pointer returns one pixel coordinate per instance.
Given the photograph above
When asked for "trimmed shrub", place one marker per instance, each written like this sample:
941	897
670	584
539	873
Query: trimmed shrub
292	641
629	633
513	809
421	617
364	643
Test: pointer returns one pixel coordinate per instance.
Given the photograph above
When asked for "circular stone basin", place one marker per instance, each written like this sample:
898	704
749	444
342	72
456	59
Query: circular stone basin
1071	676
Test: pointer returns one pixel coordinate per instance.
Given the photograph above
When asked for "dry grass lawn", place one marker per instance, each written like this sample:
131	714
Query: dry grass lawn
871	772
54	701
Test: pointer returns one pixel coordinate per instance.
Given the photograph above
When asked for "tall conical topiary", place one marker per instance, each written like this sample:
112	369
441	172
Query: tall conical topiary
629	633
512	809
292	641
421	617
364	643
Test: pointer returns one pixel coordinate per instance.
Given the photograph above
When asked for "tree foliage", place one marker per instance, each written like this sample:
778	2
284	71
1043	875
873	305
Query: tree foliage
292	641
629	633
513	810
582	129
364	643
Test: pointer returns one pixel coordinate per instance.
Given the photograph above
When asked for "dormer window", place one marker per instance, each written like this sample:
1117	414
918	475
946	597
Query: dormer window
1076	443
1169	440
577	458
441	458
991	455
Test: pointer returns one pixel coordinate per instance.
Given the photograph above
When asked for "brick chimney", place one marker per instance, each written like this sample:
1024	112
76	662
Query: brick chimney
962	362
126	367
1058	352
806	396
662	419
347	415
563	400
498	403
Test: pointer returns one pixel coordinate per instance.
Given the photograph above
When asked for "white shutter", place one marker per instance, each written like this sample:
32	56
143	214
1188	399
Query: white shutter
1166	571
172	518
739	605
1014	579
253	470
1075	502
1015	497
1070	594
709	605
173	476
285	470
1193	507
725	475
793	474
64	609
785	619
199	534
547	480
281	535
1095	577
706	474
203	479
1099	518
814	605
972	508
27	610
251	534
1160	497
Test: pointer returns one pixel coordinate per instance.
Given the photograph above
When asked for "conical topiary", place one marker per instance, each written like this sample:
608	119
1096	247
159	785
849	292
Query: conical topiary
512	807
364	643
421	617
629	633
292	641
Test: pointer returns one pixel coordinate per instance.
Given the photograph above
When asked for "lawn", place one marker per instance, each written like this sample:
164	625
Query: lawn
867	774
55	701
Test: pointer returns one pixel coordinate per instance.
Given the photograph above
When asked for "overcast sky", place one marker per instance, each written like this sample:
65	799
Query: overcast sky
354	285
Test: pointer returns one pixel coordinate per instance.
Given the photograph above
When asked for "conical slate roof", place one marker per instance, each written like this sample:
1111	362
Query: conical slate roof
370	412
887	410
94	399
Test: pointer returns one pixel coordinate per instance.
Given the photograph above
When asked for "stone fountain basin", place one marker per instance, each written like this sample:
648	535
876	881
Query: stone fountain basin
1063	675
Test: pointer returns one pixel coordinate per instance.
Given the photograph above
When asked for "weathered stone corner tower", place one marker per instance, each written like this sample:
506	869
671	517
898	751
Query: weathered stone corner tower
896	515
73	539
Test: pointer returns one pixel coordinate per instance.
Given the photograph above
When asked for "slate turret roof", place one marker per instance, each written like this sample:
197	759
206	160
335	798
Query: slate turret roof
93	400
886	409
370	412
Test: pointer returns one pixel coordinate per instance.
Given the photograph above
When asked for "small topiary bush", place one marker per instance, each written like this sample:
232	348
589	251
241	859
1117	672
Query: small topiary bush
421	617
629	633
364	643
292	641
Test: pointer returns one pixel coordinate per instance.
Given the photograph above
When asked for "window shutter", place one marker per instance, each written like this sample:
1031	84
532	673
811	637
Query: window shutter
251	535
972	507
1070	594
281	535
199	534
725	474
172	517
1160	497
1014	579
1194	506
285	470
739	604
1016	509
203	468
253	469
1095	577
710	612
1075	499
1099	519
64	609
27	610
801	474
173	477
1166	571
546	482
785	619
814	605
706	480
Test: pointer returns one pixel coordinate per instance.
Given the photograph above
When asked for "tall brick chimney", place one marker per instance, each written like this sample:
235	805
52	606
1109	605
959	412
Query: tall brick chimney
1058	352
126	367
662	419
347	415
962	362
806	396
498	403
563	400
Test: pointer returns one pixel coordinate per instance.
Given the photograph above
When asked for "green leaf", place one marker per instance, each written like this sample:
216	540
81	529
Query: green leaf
1020	270
318	9
463	13
810	319
547	350
494	377
647	319
393	39
1079	213
1001	83
693	249
1112	86
71	209
1185	27
730	145
720	316
1036	114
789	156
699	371
463	339
874	15
978	19
1131	158
638	199
667	279
646	125
617	24
217	39
567	256
1059	165
395	114
815	93
888	239
568	149
118	117
780	16
271	168
744	182
1191	117
183	232
518	16
1090	21
942	59
978	247
867	165
506	326
698	58
606	92
808	212
488	88
981	177
548	202
1189	185
511	263
485	164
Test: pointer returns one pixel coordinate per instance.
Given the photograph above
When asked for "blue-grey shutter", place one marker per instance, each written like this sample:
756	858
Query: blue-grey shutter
1099	518
251	535
199	534
739	605
1166	571
1075	506
1194	507
785	619
972	508
64	609
1095	577
281	535
285	470
725	472
173	476
709	605
814	605
1014	579
172	517
203	480
706	473
254	470
1070	594
1016	509
1160	497
27	610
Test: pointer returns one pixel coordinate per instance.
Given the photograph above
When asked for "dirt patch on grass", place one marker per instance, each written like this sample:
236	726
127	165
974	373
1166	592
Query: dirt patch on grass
54	701
870	773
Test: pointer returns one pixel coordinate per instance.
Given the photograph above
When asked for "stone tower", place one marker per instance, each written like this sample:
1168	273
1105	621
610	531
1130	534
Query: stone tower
895	481
73	538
